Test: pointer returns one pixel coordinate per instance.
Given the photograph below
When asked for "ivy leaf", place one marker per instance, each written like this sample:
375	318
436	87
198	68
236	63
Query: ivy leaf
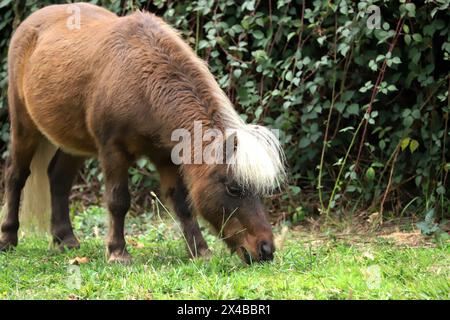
4	3
249	5
321	40
370	174
289	76
408	121
353	109
414	144
440	190
408	39
142	162
392	87
304	142
406	28
295	190
411	8
373	65
396	60
417	37
258	34
428	226
405	143
408	9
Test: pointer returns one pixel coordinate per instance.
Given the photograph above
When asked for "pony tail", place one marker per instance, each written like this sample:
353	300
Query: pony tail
35	209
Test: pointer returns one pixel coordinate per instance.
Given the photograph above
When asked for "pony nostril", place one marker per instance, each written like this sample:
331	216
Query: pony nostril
266	251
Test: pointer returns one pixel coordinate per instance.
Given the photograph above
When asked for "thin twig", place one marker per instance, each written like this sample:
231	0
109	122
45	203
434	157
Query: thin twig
376	88
390	180
327	128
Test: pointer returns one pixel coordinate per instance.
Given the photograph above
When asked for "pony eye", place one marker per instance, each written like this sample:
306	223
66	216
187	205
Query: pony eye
234	191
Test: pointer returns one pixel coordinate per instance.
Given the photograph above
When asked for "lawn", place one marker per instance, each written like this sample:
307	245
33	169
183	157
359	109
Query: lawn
306	267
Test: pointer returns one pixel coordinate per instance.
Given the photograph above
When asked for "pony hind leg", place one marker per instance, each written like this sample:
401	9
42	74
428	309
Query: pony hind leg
24	142
62	172
174	191
115	164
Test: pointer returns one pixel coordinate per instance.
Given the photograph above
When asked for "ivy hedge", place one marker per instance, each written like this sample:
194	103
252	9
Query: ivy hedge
359	90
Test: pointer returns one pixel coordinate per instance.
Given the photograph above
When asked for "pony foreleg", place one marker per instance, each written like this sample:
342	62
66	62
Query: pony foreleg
197	246
115	166
175	192
61	172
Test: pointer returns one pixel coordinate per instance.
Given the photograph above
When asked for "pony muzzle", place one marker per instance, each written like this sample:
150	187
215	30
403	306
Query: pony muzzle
263	253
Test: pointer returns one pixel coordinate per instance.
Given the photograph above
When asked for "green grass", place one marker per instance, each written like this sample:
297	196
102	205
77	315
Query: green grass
160	270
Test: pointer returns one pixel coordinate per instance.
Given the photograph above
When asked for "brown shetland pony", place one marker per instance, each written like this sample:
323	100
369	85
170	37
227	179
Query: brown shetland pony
116	88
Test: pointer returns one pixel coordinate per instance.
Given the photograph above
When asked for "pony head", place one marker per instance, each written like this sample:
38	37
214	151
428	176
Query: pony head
228	194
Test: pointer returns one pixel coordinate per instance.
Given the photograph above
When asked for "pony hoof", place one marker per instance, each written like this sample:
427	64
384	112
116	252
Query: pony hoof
204	254
8	244
120	257
67	243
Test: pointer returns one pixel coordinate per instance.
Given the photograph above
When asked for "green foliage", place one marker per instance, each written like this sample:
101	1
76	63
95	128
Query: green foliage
429	227
293	64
